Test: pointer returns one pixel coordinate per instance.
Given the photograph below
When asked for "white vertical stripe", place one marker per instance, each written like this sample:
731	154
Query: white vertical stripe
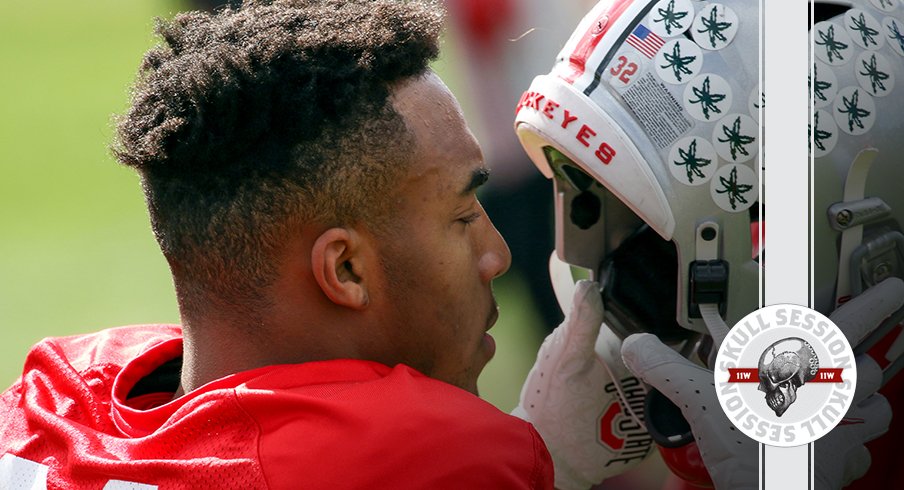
787	187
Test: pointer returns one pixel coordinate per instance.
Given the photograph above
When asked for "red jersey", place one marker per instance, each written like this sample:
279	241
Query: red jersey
95	411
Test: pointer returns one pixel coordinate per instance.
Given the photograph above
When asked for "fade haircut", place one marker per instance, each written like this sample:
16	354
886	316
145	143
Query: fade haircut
245	123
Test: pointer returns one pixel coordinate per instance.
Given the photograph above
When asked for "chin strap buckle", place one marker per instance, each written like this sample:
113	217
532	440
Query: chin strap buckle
708	285
708	278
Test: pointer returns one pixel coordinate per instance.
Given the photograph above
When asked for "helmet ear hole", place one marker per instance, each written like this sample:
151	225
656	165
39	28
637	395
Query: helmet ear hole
586	209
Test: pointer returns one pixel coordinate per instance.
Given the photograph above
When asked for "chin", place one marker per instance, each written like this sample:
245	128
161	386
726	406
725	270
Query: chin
468	385
471	386
473	390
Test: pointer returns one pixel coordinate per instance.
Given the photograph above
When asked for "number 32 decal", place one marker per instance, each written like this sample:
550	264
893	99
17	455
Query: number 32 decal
623	69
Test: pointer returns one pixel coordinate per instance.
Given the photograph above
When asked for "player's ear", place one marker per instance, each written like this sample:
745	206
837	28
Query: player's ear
339	266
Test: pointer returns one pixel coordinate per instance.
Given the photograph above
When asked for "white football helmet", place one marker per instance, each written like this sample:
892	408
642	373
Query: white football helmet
648	125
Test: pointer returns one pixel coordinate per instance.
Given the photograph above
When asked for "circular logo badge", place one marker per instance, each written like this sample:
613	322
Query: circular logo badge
785	375
864	29
832	43
823	84
895	33
678	61
885	5
670	18
823	134
756	101
734	138
715	26
875	73
693	160
734	188
854	110
707	97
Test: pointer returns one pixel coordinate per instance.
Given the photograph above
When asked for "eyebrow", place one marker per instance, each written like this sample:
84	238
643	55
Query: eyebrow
478	177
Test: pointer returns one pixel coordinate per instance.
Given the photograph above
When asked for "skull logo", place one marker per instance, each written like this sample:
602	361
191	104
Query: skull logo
784	367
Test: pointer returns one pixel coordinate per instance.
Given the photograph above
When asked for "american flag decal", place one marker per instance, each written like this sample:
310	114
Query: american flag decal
645	41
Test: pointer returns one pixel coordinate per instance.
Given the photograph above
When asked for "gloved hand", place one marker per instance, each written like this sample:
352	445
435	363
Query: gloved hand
841	456
569	389
730	456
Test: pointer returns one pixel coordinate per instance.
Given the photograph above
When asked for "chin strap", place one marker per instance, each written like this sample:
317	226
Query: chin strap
714	323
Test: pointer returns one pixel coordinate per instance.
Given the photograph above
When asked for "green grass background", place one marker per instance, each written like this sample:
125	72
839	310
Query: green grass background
76	250
76	253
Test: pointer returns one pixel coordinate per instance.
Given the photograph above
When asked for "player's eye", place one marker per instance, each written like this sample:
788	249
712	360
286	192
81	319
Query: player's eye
470	218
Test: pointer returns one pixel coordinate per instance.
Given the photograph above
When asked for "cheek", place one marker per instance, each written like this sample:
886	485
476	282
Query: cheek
451	263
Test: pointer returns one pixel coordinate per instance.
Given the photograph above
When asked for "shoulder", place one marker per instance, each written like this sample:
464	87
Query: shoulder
394	426
82	366
67	382
111	346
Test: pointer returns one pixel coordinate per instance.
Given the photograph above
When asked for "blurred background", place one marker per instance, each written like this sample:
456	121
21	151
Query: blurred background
76	250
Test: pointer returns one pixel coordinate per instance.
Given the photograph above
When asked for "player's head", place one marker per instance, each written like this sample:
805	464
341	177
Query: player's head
300	142
858	66
245	121
648	126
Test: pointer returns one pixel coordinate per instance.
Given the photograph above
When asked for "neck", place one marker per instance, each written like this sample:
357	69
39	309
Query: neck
213	353
216	349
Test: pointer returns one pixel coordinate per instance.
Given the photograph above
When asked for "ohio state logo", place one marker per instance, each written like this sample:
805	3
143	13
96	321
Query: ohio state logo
785	375
618	431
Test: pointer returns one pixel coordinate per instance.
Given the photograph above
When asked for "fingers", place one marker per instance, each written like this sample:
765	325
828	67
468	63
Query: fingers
562	282
663	368
863	314
869	378
727	454
586	315
570	347
856	464
645	354
841	456
587	299
876	414
862	423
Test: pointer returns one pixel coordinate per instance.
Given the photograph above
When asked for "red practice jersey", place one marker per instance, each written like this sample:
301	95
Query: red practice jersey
95	411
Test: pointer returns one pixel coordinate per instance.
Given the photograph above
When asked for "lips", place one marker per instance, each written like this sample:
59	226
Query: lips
494	315
489	344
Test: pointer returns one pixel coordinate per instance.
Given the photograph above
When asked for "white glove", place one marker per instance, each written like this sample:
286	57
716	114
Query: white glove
569	389
729	455
841	456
